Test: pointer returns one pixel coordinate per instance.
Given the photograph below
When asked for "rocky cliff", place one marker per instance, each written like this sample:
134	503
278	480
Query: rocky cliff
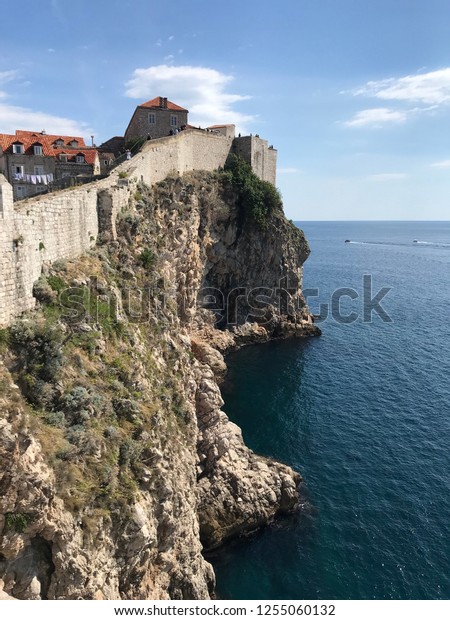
117	464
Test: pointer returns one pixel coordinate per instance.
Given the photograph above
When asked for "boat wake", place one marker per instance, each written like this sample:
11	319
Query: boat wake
436	244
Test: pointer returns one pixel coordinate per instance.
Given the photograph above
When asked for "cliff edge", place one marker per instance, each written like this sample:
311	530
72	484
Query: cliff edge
117	464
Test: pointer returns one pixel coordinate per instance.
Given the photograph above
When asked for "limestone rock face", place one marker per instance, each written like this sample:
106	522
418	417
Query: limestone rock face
126	466
238	490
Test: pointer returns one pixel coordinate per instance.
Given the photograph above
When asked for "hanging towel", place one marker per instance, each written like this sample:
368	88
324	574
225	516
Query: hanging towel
44	179
33	179
50	178
38	178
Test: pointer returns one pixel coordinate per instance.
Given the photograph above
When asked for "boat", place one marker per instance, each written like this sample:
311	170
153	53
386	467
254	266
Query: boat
347	241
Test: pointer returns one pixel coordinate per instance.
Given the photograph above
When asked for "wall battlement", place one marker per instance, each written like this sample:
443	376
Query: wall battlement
65	224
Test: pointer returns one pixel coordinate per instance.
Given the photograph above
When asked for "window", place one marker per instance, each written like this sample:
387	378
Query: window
17	172
18	149
63	158
39	170
80	159
74	143
65	175
40	189
58	143
37	149
152	119
173	121
21	191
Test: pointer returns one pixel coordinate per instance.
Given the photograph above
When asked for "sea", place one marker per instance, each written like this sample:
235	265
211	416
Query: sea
363	413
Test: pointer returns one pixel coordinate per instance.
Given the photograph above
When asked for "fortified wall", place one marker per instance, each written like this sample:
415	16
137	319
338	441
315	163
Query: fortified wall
43	229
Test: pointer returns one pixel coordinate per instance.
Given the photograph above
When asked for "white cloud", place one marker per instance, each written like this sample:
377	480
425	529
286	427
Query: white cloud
200	89
7	76
51	50
431	88
169	58
445	163
171	38
14	117
377	117
389	176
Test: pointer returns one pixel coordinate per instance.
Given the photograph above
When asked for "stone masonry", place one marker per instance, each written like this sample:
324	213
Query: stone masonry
43	229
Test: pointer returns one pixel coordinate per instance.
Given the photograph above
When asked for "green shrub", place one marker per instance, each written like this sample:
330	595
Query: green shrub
4	337
147	258
130	452
39	350
17	521
43	292
57	283
77	405
55	418
257	198
126	408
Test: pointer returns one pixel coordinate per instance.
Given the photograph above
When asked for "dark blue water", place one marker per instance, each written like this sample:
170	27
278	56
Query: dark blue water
364	414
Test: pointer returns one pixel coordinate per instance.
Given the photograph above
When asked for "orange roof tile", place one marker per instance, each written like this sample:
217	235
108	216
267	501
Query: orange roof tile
49	149
157	103
89	154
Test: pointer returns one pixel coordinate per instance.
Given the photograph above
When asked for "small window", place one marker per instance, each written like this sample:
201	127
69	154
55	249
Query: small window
18	149
40	189
39	170
80	159
63	158
152	119
173	121
21	191
18	172
74	143
65	175
58	143
37	149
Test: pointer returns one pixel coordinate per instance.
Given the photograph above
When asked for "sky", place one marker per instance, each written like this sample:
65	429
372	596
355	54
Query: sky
354	94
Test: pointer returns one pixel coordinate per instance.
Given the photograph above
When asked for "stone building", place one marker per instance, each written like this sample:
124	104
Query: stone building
156	118
261	157
34	161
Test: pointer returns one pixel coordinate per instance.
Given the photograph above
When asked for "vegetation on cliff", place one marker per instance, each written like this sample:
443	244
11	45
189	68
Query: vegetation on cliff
258	199
115	438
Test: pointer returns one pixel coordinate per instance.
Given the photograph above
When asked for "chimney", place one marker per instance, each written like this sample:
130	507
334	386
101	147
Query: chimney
161	101
165	103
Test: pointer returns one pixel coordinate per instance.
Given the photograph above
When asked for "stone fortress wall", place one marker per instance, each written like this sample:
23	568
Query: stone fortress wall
40	230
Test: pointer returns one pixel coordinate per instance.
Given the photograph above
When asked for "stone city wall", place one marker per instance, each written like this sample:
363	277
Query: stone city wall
65	224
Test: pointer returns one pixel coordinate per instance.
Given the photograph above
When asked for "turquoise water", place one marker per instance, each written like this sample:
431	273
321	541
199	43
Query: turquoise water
364	414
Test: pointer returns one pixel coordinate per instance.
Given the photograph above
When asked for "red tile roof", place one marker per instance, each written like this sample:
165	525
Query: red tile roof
20	133
89	154
158	103
47	141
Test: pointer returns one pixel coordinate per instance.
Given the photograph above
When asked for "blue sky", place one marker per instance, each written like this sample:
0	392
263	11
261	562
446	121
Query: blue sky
354	94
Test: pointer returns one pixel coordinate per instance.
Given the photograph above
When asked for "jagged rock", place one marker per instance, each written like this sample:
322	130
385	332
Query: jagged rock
115	496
